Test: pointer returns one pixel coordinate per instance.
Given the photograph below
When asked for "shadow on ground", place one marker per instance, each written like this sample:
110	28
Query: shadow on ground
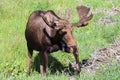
53	64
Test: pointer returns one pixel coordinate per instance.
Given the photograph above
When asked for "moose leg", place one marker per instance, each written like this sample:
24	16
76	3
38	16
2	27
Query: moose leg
53	48
44	63
76	55
29	60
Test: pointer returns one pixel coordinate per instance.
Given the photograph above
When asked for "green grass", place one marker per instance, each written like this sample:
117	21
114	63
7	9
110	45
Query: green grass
111	73
13	52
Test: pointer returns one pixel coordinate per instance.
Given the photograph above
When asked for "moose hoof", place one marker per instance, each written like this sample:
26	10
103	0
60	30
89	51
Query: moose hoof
74	68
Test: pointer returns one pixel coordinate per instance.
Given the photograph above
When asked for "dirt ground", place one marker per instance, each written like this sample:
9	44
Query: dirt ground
107	19
103	57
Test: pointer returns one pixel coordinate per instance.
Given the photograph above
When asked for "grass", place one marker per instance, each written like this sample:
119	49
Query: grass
13	51
111	73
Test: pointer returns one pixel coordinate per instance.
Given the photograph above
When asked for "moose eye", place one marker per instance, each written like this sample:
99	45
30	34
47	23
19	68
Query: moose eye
54	24
62	33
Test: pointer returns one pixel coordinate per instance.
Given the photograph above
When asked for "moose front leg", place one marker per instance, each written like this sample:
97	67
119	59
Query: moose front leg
44	63
77	65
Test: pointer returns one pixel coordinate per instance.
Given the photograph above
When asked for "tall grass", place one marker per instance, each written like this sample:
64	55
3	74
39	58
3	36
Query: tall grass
13	19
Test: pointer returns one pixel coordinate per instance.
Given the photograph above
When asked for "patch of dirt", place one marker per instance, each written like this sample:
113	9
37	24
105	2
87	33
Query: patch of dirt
110	12
103	57
105	20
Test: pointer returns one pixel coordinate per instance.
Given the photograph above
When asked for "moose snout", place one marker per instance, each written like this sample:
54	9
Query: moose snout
74	68
71	49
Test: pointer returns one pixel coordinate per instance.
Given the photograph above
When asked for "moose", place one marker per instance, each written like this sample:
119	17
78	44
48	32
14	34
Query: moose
46	32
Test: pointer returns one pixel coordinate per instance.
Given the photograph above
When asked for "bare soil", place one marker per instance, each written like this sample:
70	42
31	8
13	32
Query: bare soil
107	19
103	57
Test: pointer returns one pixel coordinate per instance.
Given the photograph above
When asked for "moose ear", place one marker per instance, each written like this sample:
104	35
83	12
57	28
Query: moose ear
45	18
49	18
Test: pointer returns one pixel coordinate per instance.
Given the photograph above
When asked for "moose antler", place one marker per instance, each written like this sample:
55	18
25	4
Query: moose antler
67	15
84	16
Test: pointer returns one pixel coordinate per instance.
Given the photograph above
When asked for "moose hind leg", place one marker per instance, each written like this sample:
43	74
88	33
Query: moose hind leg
29	60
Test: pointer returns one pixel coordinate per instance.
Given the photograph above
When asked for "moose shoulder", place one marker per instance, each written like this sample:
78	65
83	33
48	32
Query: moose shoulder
46	33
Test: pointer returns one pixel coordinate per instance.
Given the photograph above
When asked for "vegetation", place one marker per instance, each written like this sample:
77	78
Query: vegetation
13	52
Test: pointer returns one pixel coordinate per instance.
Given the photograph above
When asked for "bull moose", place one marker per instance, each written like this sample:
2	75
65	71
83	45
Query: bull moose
46	32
